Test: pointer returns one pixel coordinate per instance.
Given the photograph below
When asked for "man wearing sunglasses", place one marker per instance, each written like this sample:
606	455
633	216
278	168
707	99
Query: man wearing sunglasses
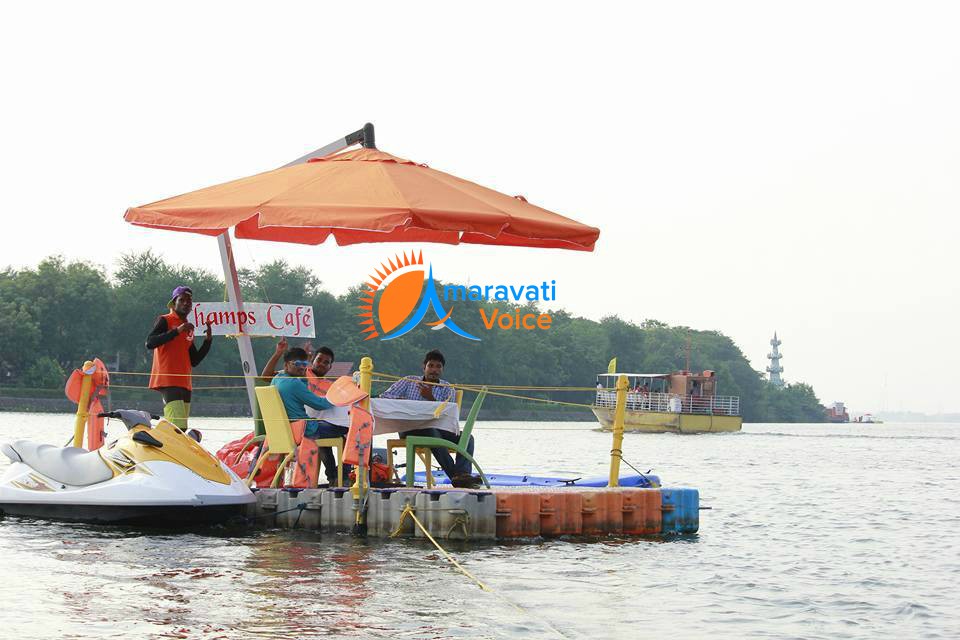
296	396
319	367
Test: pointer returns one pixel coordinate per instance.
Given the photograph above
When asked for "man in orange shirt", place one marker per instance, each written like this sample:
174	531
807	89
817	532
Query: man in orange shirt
174	356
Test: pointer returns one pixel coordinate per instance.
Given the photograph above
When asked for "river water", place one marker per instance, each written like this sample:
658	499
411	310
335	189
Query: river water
815	531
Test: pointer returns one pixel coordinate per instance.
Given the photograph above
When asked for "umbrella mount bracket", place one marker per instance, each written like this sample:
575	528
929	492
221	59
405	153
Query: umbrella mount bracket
363	136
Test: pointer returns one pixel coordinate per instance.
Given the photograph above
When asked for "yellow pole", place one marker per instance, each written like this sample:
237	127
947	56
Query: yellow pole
616	451
366	380
83	403
360	485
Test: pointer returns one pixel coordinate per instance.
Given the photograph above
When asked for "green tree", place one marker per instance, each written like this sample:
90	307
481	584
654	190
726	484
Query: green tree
792	403
68	302
19	336
60	313
44	373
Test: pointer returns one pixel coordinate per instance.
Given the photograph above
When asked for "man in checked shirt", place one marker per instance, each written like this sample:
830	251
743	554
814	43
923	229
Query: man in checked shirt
414	388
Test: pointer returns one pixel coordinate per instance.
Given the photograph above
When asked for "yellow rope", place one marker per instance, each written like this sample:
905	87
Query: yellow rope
183	375
137	386
490	393
407	511
386	377
531	399
485	428
476	389
202	375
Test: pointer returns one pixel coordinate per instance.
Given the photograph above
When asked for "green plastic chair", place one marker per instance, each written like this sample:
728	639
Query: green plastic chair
424	442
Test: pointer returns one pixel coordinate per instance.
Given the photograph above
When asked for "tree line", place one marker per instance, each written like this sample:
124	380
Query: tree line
59	313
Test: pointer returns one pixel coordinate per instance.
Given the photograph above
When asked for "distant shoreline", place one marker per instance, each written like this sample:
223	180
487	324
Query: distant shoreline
201	409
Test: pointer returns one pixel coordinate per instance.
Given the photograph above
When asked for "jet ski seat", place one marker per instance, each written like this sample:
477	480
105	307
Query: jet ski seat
68	465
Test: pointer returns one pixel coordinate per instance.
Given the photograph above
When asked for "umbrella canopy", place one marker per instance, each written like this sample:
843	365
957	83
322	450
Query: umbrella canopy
364	195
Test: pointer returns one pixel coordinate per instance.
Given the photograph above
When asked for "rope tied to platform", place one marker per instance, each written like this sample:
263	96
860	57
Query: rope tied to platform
619	454
462	521
408	512
301	506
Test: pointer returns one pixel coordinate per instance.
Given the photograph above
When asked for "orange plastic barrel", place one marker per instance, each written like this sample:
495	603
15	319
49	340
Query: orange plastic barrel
602	512
518	514
641	511
560	513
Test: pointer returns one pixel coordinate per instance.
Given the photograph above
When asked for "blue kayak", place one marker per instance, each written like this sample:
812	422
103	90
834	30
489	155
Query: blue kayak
505	480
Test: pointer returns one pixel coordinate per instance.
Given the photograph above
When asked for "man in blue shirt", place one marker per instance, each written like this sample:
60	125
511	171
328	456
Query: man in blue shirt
432	388
296	395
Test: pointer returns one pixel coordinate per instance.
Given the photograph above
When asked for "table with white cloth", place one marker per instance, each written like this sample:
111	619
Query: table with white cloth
398	416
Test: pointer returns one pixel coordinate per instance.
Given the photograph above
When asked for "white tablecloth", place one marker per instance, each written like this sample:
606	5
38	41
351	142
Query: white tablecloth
397	416
335	415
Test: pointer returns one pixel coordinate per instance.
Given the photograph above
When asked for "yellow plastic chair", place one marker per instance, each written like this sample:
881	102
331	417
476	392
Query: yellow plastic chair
280	439
338	444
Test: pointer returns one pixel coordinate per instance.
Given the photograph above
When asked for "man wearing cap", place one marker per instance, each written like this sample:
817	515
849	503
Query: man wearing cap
174	356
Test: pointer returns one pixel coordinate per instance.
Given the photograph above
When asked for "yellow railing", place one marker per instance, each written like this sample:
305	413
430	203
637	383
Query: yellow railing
368	376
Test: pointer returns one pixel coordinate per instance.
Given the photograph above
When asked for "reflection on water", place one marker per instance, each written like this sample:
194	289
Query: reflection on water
846	531
309	588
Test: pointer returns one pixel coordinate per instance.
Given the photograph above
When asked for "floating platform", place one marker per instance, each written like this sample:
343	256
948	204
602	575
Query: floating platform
499	513
508	480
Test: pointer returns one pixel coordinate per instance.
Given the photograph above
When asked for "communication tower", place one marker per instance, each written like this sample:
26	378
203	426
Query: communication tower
775	369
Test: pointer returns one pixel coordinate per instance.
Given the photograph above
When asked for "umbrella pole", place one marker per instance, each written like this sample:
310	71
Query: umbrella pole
243	341
362	136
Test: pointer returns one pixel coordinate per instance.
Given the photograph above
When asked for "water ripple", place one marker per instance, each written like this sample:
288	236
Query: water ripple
817	531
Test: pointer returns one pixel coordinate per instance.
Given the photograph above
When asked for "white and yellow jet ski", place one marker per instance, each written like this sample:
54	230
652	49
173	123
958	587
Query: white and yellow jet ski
151	476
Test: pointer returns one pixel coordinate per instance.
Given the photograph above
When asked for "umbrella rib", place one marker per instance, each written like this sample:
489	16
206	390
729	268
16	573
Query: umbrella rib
307	183
451	182
396	190
253	211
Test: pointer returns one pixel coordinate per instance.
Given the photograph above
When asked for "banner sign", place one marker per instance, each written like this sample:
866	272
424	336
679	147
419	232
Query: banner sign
256	319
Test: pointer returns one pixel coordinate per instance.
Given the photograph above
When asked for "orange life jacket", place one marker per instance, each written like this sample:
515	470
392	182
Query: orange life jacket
171	361
318	385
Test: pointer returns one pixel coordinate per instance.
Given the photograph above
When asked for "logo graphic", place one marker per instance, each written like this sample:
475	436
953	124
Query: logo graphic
389	305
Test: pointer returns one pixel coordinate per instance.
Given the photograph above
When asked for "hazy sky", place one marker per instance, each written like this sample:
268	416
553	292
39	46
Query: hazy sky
752	166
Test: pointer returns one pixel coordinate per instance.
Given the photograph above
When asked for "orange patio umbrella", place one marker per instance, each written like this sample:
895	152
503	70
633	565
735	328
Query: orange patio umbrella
364	195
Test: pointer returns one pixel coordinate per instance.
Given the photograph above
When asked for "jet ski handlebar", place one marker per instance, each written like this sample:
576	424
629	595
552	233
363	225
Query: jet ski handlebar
131	417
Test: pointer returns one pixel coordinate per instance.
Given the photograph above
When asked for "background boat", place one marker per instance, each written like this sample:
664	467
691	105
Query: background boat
680	402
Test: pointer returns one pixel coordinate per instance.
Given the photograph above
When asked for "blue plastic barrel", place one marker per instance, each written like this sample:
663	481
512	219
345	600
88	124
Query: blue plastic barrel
681	510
